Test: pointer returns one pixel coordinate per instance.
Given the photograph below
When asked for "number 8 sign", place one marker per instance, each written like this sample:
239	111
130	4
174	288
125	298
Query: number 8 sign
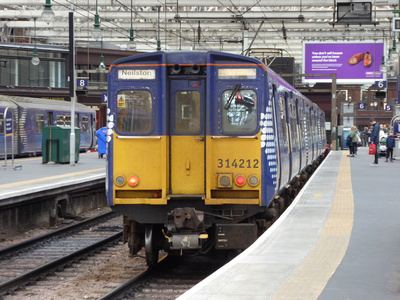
81	82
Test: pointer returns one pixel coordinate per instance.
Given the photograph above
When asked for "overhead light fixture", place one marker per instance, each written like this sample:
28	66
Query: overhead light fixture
394	54
284	31
35	59
158	30
102	66
389	61
47	13
301	16
96	34
382	67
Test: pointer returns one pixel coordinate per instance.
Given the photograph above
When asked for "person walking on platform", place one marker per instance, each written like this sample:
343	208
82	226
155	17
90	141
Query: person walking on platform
365	136
390	143
374	138
353	144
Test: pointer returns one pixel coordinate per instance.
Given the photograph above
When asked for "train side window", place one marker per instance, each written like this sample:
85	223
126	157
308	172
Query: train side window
39	123
134	111
63	120
187	111
85	124
1	123
239	113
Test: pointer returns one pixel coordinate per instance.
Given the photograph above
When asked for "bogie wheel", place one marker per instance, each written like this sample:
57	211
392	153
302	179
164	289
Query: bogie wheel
150	248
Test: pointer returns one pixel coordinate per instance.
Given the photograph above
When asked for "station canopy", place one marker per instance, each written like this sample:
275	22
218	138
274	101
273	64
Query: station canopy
259	28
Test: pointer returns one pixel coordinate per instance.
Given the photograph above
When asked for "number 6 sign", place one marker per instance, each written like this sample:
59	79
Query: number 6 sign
380	84
362	105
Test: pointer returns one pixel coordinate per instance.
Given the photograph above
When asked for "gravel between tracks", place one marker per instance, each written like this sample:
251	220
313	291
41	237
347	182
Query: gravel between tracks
90	279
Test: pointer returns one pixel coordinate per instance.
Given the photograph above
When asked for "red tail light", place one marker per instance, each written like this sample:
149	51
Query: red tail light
133	181
240	180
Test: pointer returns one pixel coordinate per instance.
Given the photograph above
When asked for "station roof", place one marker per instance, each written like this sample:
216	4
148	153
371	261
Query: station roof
264	27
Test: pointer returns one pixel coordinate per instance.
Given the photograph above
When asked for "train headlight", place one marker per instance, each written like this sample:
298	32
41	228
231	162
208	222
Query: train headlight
225	180
133	181
120	180
240	180
253	180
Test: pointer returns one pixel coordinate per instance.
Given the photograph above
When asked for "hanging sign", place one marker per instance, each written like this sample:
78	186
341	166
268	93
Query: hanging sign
362	105
8	130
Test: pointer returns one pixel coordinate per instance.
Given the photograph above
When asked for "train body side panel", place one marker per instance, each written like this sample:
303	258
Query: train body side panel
134	150
146	160
232	157
269	146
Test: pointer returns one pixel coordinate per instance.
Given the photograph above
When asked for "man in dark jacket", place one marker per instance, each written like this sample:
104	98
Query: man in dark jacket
374	138
390	144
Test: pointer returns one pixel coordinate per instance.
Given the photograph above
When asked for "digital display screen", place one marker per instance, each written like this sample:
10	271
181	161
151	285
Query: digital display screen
354	63
231	73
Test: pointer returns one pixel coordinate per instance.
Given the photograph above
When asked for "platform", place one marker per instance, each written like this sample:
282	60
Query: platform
34	176
37	194
338	240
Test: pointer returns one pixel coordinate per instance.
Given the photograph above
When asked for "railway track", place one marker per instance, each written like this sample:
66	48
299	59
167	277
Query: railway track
172	277
33	260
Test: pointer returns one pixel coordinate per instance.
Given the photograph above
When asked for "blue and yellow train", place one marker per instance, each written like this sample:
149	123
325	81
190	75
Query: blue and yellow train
22	120
204	149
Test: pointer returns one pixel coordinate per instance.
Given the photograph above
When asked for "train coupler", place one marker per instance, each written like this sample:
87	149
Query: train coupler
185	229
187	241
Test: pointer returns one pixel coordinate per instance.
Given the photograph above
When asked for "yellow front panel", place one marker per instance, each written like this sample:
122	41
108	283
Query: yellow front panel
145	158
187	165
234	156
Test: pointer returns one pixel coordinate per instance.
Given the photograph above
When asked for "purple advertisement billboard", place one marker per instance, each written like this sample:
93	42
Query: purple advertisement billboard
354	63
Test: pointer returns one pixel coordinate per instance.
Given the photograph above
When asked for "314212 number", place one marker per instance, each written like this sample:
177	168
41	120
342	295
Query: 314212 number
238	163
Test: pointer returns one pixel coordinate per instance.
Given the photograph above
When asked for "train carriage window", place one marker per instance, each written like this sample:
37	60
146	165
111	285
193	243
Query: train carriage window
239	113
63	120
283	119
187	111
85	124
39	123
134	111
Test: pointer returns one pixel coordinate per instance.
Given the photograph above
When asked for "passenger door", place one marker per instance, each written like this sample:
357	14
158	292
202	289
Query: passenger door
187	137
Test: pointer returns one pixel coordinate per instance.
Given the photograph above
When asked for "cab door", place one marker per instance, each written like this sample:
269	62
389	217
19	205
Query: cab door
187	137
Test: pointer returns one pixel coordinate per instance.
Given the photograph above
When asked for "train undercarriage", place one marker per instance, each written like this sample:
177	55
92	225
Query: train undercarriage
189	230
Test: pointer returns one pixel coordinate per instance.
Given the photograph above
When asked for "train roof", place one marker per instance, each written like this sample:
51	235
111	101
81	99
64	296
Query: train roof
7	100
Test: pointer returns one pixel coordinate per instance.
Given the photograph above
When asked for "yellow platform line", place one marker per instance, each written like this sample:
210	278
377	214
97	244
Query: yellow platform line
309	279
51	177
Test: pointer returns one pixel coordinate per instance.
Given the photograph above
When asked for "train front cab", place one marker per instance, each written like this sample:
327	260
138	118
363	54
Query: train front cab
188	138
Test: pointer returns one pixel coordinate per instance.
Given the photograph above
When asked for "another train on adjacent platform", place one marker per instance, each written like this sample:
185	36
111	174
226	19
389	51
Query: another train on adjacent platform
31	115
205	149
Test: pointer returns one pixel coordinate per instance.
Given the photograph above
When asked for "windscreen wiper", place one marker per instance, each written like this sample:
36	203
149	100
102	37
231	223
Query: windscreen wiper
235	90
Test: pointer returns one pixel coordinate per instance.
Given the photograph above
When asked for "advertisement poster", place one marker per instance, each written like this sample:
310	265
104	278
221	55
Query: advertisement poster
354	63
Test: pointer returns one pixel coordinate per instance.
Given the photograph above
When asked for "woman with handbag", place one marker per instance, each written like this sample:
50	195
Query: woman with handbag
354	136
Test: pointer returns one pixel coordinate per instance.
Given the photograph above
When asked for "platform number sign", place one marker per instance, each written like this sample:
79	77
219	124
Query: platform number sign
380	84
362	105
81	82
396	24
388	108
8	129
104	98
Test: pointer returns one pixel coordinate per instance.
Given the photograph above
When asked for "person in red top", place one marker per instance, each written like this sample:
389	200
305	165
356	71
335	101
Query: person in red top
374	138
